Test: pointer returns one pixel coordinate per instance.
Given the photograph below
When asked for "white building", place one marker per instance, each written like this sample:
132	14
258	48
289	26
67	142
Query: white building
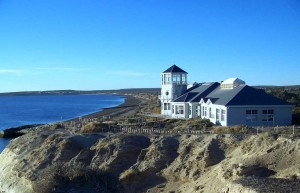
173	84
230	102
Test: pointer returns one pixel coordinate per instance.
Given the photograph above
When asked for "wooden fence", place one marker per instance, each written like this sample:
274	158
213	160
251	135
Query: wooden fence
138	129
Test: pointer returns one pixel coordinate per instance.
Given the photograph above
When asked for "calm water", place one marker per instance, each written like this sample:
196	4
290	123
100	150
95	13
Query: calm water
22	110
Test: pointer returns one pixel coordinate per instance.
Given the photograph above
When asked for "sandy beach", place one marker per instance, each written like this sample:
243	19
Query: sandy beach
126	108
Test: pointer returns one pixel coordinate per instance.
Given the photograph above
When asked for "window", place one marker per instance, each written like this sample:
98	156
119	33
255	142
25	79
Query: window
268	115
210	113
190	109
198	110
176	78
167	106
217	114
251	115
226	85
180	110
205	111
173	109
183	79
167	79
222	115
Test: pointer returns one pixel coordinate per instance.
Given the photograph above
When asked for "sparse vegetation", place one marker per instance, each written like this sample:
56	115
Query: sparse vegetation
94	127
60	178
232	129
186	124
291	95
57	126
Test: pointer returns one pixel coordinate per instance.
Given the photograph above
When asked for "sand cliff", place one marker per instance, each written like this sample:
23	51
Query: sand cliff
58	161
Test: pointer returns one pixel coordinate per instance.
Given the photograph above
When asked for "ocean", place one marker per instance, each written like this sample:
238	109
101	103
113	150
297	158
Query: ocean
40	109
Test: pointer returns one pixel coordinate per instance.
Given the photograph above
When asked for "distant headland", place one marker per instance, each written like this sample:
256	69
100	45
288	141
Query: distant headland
66	92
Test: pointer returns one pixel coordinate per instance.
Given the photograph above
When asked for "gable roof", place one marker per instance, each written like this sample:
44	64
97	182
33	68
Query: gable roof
243	95
252	96
204	91
174	68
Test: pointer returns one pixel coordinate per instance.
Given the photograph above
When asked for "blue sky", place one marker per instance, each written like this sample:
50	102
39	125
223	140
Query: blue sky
112	44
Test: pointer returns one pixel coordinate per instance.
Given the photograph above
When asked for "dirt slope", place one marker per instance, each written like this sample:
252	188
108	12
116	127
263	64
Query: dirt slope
57	161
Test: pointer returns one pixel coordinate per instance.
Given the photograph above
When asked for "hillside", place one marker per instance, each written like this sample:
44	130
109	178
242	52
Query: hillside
49	160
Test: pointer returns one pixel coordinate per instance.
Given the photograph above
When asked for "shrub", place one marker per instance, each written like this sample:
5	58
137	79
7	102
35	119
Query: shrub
156	110
56	126
232	129
207	122
220	129
94	127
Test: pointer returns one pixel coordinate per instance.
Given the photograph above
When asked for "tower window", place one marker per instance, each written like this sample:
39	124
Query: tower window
167	79
176	78
183	79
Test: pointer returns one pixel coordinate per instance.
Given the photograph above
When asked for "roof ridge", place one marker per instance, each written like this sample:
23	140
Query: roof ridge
173	67
186	96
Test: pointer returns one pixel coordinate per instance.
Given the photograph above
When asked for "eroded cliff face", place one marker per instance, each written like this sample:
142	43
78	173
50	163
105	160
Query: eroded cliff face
58	161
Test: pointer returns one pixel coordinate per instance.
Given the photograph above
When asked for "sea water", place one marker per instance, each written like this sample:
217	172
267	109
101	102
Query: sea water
40	109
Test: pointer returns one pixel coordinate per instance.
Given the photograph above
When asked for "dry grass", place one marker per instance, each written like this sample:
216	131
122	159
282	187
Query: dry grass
232	129
94	127
127	175
60	178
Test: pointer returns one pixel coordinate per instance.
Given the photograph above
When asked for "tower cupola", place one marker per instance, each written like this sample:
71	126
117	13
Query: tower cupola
173	85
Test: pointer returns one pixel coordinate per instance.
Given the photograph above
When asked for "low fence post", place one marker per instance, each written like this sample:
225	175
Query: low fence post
293	129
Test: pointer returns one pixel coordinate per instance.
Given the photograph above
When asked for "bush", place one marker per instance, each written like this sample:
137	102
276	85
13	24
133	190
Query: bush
94	127
206	122
220	129
56	126
232	129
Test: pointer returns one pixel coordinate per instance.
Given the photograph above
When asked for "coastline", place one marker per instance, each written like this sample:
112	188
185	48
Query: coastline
128	107
130	103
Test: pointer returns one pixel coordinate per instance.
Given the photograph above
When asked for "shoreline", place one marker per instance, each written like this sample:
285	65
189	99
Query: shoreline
129	105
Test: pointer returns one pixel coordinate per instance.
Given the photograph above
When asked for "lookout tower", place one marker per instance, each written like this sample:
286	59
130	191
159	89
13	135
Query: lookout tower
173	84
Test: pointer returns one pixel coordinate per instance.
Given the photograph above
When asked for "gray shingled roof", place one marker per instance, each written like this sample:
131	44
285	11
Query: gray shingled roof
197	92
205	90
243	96
174	68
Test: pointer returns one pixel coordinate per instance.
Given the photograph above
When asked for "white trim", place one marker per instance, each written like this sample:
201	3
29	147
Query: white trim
202	101
208	102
